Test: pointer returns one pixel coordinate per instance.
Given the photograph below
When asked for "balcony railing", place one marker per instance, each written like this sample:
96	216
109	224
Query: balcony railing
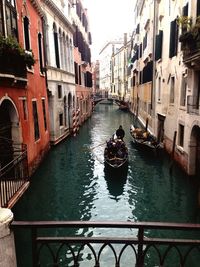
193	105
142	244
13	176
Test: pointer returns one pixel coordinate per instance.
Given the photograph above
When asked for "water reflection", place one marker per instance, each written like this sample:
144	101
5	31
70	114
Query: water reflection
116	180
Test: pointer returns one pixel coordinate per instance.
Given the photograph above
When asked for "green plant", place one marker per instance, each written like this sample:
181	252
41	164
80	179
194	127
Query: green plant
191	38
10	49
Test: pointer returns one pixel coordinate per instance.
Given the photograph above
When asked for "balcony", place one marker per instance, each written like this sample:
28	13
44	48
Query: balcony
193	106
190	45
13	71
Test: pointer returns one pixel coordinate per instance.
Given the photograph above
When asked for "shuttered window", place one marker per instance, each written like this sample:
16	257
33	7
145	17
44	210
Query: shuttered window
138	29
76	72
198	8
148	72
173	39
1	19
159	41
145	41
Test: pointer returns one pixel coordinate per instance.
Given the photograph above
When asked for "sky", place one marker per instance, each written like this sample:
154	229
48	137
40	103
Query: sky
108	20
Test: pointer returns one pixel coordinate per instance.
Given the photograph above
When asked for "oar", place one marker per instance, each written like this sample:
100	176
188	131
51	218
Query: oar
91	148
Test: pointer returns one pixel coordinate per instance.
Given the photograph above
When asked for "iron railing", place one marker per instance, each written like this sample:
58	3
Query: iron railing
140	240
13	175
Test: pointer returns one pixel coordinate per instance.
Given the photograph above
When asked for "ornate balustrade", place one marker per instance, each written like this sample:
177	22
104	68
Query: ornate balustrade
14	176
140	240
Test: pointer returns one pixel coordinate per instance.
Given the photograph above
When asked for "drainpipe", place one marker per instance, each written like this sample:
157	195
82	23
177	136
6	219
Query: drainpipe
7	244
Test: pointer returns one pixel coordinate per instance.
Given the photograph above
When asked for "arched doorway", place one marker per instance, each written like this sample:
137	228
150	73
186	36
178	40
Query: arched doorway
194	152
9	131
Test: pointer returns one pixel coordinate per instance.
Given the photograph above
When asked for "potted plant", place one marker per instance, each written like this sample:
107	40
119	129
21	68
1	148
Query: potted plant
14	57
191	38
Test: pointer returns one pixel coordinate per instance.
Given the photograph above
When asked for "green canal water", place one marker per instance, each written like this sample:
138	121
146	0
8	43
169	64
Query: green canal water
72	184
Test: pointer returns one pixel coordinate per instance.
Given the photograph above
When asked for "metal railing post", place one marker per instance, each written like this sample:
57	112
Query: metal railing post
140	257
34	247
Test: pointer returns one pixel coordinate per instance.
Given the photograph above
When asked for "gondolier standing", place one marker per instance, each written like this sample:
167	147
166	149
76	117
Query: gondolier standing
120	133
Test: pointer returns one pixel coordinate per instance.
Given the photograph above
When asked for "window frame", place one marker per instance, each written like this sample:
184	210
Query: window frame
35	120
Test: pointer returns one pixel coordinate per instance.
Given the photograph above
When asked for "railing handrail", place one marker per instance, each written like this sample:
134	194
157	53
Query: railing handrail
139	242
21	156
105	224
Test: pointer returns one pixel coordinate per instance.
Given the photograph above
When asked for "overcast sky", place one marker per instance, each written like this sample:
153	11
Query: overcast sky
108	20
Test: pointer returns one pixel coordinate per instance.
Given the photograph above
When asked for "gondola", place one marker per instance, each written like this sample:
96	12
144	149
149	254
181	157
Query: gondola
144	140
116	153
122	105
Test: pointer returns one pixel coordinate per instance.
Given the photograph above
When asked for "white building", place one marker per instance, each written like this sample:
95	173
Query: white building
60	67
166	87
105	65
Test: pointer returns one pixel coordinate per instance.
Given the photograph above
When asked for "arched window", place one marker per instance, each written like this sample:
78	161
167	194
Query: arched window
40	52
61	49
64	51
56	46
71	56
26	33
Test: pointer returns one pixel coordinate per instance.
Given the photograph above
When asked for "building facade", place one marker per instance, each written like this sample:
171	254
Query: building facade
166	76
107	68
82	65
24	115
59	67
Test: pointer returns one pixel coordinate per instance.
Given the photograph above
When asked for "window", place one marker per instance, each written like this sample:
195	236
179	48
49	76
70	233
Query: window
198	8
1	19
24	103
59	91
10	19
76	72
181	135
159	42
35	119
56	46
26	34
173	39
79	72
145	41
40	52
183	90
61	119
172	84
44	114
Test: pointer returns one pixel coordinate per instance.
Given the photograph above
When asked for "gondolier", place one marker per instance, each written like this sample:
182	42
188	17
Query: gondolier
120	133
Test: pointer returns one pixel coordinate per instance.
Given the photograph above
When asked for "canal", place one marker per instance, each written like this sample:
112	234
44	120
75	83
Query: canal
72	184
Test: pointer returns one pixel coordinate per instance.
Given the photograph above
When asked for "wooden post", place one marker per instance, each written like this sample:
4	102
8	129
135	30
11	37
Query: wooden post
173	151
